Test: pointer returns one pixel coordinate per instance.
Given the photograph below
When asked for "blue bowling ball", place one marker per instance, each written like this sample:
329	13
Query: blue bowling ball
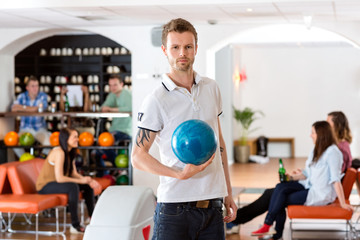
194	141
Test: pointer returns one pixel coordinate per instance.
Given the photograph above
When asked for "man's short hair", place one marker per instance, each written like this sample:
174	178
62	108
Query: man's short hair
31	78
116	76
178	25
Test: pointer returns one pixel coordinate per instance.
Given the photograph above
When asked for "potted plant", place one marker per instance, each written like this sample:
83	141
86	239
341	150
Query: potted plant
245	117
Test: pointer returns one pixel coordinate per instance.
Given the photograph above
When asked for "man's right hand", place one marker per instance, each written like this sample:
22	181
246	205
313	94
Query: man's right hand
64	90
191	169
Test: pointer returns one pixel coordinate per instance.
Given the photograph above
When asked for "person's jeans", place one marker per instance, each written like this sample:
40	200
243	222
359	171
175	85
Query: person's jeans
72	190
285	194
258	207
179	221
254	209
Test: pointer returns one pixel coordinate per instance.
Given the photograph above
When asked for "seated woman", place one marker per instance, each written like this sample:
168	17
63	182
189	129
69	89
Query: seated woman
340	125
318	184
59	175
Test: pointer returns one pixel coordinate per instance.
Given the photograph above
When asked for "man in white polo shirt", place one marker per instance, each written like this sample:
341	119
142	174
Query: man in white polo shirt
190	197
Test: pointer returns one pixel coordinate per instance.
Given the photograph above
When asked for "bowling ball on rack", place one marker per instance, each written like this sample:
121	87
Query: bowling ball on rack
26	139
111	178
106	139
194	142
54	139
25	157
122	161
86	139
11	139
122	180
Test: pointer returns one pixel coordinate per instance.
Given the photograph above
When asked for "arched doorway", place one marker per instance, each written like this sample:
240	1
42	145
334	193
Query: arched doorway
284	64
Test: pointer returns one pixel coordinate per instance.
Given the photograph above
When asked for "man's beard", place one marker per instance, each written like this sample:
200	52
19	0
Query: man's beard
183	67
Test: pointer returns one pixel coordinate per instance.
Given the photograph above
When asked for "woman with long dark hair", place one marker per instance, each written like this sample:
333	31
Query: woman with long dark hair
318	184
59	175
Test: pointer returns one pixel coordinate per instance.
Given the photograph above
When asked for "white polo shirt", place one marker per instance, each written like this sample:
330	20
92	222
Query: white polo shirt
165	109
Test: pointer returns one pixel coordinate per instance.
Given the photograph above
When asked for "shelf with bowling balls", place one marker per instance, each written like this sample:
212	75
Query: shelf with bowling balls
87	141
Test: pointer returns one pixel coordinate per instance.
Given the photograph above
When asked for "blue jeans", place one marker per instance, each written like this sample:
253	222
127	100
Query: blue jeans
285	194
179	221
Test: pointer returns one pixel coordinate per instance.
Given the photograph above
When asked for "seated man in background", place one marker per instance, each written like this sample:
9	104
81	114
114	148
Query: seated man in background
118	100
32	100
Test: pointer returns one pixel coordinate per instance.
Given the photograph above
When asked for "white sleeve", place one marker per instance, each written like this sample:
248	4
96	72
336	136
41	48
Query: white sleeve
149	115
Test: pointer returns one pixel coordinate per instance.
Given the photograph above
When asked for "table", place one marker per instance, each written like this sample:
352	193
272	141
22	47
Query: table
253	147
62	115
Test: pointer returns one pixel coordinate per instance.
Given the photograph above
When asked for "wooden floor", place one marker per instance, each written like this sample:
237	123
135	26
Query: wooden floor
254	177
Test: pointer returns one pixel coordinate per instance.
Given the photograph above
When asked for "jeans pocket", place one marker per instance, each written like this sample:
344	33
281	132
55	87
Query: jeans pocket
172	209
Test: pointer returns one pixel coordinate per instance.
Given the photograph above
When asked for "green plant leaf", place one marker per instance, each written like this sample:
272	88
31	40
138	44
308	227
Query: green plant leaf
246	117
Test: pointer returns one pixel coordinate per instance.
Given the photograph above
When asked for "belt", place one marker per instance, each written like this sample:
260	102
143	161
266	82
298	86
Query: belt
211	203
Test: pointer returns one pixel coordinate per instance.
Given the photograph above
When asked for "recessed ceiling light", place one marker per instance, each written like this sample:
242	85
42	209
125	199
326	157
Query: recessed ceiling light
249	9
212	21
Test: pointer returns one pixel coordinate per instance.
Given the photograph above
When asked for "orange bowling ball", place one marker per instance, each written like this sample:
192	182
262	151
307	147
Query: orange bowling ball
86	139
54	139
106	139
11	139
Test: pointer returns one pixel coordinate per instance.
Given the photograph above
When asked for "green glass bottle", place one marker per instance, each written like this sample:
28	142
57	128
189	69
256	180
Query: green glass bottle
66	105
282	172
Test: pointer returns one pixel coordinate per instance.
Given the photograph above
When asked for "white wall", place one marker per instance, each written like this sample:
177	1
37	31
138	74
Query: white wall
224	66
296	86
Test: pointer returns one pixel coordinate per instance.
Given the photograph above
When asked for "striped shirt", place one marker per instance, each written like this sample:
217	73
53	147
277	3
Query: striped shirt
32	122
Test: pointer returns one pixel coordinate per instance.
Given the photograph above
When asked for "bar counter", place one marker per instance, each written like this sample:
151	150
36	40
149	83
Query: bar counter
68	114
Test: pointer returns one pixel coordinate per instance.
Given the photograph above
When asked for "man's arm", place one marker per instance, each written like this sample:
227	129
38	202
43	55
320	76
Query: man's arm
229	201
141	159
86	98
23	108
109	109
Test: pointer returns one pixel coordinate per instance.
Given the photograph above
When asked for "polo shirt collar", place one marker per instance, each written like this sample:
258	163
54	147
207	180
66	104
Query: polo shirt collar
169	85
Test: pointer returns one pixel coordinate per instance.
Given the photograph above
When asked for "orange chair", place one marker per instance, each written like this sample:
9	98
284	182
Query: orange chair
27	203
23	176
331	211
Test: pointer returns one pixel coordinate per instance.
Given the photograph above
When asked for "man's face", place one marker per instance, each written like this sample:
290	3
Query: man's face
33	88
180	50
115	85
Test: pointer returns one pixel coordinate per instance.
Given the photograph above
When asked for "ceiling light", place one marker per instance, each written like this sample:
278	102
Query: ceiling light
212	21
249	9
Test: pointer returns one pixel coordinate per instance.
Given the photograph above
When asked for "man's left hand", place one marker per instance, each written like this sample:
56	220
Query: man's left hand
231	209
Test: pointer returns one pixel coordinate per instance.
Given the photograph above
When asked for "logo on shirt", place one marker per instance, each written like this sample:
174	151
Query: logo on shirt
140	115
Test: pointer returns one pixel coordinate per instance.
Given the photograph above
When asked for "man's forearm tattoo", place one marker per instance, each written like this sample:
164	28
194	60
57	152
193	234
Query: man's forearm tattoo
221	150
143	134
